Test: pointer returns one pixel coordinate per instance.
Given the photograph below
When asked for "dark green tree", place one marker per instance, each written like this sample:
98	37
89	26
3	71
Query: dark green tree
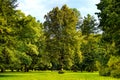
89	25
88	29
89	48
109	17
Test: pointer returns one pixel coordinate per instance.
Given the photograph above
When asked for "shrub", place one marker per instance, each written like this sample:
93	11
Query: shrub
114	65
104	72
115	73
61	72
74	68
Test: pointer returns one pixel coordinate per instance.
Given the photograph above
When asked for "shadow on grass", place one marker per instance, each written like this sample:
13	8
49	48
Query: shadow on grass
11	75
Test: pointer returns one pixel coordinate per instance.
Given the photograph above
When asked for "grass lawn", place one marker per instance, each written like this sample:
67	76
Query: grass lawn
48	75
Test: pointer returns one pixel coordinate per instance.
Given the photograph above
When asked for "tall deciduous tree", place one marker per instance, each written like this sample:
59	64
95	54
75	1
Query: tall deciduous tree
29	34
6	33
61	34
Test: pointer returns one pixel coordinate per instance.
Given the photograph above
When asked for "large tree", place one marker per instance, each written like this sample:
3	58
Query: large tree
20	37
109	17
109	20
29	36
61	35
7	13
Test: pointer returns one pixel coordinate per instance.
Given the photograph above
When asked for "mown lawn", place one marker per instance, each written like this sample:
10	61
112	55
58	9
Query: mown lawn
48	75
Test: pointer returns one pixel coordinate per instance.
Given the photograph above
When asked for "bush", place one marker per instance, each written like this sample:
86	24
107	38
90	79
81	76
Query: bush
114	65
115	73
61	72
104	72
74	68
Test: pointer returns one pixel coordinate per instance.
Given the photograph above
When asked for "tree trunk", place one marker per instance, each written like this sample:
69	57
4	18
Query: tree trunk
12	70
61	70
2	70
26	69
17	70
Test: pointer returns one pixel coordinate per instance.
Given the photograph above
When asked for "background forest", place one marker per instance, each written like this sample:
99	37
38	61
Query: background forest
65	41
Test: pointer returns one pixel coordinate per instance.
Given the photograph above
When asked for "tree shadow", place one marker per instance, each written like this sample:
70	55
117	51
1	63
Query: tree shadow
10	75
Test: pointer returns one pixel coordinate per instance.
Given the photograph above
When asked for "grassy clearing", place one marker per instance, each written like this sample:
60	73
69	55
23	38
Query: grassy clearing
48	75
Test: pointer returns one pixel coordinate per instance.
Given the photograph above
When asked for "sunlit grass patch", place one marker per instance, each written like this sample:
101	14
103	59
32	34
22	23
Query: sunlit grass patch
52	75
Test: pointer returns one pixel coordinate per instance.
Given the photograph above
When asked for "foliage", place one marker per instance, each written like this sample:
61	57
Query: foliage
115	73
89	25
19	35
62	37
89	49
104	71
7	52
114	65
109	23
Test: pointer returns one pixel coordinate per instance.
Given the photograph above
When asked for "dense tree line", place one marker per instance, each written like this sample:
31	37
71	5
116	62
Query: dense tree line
65	41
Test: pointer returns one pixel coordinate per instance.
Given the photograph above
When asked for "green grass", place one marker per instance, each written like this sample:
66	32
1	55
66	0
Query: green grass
48	75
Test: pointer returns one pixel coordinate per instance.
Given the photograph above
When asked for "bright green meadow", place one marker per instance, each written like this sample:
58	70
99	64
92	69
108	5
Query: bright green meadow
48	75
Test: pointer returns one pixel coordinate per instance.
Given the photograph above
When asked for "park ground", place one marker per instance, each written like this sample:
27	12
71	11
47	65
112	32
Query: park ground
53	75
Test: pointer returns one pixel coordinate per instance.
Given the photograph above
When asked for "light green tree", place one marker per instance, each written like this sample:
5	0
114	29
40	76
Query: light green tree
29	34
6	33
